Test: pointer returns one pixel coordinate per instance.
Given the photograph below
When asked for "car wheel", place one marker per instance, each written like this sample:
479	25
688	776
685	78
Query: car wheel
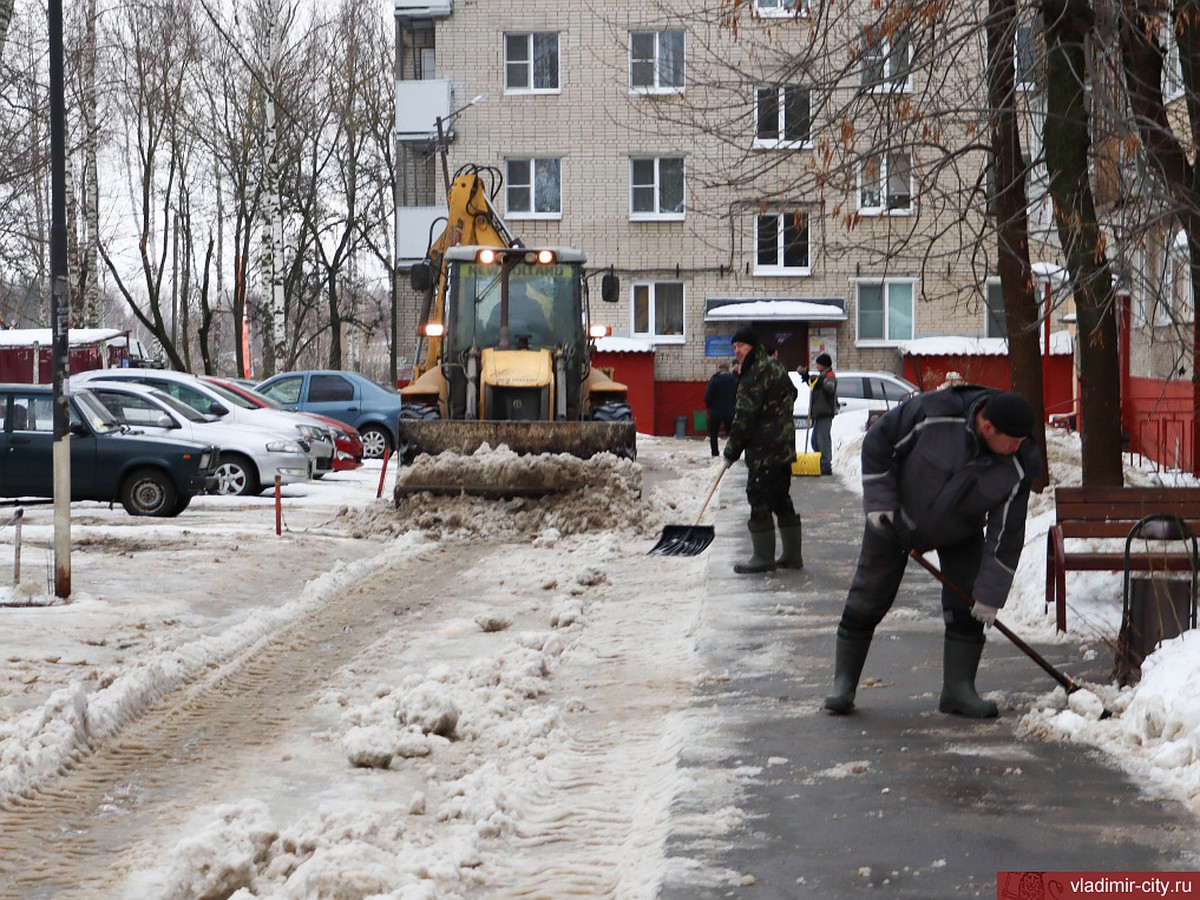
236	476
149	492
375	441
183	503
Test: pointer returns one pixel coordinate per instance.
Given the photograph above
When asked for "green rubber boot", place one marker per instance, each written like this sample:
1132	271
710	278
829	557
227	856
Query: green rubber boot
790	537
762	559
960	662
851	656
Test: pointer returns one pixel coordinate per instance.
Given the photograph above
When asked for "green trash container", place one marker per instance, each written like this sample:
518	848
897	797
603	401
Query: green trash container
700	422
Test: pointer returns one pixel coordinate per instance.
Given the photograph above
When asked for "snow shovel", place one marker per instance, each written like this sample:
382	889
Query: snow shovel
807	463
688	540
1070	685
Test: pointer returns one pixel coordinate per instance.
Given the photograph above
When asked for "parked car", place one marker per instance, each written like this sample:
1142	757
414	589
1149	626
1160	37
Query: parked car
148	475
347	444
856	390
250	457
209	399
372	408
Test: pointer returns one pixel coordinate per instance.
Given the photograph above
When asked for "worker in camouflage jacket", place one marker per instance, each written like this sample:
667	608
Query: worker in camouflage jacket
763	428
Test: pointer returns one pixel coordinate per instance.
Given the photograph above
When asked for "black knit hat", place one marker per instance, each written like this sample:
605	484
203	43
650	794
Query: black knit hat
746	335
824	359
1010	413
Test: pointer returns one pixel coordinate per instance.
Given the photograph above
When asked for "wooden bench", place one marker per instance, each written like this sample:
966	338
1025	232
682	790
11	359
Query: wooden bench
1092	513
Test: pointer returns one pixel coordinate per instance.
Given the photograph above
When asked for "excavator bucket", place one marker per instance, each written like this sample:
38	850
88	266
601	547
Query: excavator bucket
444	438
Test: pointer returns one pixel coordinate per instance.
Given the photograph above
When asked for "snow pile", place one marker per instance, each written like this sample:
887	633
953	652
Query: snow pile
580	495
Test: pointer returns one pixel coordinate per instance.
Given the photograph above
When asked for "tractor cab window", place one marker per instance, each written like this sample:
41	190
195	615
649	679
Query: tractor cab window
543	305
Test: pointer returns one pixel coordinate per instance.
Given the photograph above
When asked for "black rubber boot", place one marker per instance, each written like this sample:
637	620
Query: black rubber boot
848	664
792	557
762	559
960	662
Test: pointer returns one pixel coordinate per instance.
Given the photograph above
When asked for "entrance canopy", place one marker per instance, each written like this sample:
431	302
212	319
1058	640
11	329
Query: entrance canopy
775	309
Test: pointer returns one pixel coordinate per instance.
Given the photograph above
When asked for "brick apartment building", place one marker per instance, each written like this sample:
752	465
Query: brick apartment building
682	154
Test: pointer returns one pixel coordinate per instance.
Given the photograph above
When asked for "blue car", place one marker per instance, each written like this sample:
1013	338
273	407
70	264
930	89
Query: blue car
372	408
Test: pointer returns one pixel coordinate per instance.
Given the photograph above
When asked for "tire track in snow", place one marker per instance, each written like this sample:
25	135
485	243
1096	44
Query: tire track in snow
180	749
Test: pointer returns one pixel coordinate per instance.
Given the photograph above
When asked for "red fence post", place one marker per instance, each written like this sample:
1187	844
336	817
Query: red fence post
387	453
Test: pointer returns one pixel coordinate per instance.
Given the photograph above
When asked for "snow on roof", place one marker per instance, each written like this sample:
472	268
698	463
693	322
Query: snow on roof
802	310
1061	344
27	337
623	345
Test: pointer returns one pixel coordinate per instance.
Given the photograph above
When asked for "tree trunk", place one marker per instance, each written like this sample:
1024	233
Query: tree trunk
1012	225
1068	148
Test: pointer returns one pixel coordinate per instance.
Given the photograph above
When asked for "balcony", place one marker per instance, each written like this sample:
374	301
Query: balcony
418	105
414	225
422	9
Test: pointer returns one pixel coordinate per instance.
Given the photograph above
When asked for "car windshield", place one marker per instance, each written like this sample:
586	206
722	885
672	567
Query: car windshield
235	399
97	415
179	407
253	396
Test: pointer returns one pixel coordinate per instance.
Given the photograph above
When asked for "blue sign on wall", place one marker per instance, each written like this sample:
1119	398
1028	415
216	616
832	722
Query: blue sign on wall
718	345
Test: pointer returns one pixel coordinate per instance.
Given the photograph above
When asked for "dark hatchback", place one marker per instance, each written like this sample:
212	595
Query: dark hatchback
148	475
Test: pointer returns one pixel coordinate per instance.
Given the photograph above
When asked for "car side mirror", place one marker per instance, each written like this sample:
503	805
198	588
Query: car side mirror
421	277
217	409
610	288
79	429
164	421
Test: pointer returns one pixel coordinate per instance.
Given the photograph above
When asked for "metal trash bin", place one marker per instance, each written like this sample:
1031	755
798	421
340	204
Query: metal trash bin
680	426
1158	604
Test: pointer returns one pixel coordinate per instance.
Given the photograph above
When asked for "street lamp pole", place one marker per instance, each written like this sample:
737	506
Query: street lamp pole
443	122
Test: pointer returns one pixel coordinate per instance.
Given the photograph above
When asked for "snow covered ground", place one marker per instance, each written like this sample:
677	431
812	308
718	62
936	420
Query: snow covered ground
512	709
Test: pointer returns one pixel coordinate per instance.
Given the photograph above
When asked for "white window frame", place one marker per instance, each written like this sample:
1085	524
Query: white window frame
1172	71
887	340
1174	301
882	204
880	53
782	217
779	142
528	64
1025	57
656	61
778	9
657	214
532	186
650	291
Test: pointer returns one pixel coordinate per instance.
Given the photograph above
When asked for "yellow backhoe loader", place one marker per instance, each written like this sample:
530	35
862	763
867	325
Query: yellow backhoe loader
507	340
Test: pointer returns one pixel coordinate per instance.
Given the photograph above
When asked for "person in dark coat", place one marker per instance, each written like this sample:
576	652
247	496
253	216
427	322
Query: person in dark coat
764	430
822	407
719	399
949	470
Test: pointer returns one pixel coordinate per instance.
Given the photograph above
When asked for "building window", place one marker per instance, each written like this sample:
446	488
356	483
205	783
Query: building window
885	184
885	312
534	188
887	62
783	116
656	188
658	309
782	244
1025	49
770	8
656	61
995	325
531	62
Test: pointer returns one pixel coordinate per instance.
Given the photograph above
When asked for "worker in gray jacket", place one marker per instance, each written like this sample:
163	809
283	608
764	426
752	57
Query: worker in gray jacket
950	471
